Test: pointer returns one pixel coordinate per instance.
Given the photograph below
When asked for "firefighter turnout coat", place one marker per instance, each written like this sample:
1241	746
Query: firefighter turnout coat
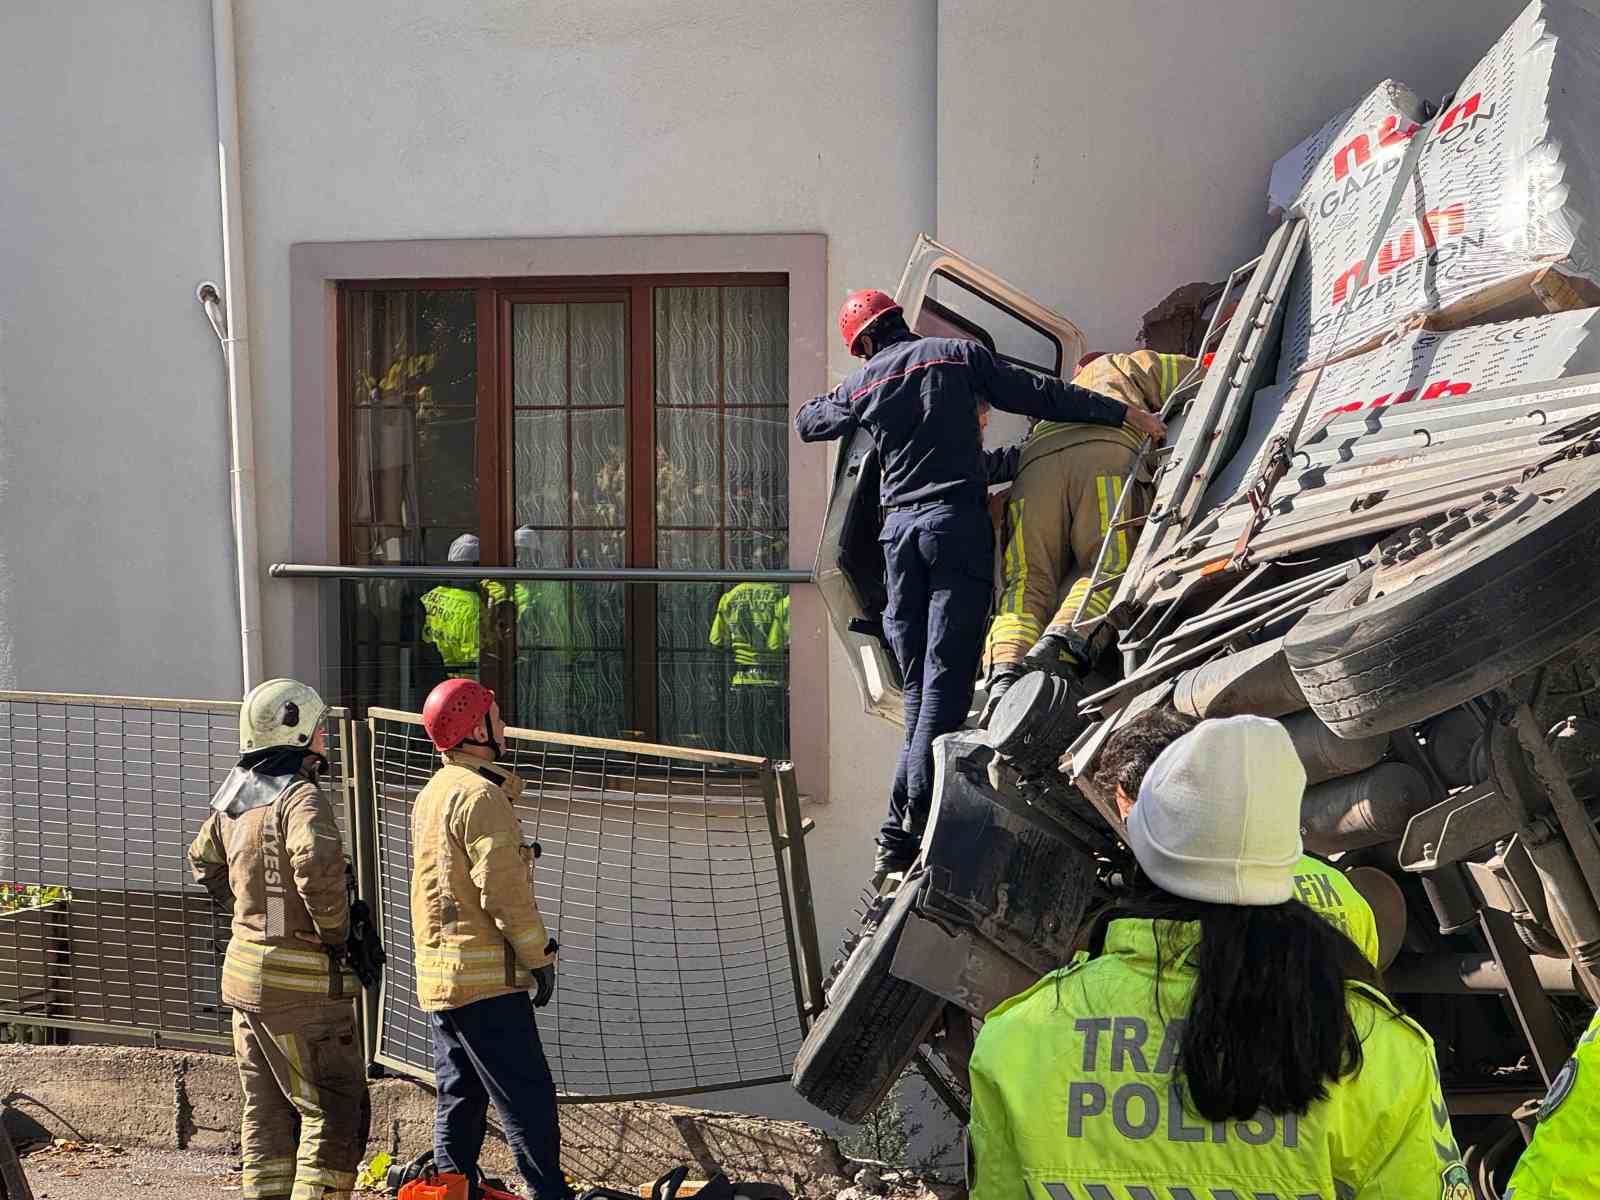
1076	1095
1060	509
280	869
474	920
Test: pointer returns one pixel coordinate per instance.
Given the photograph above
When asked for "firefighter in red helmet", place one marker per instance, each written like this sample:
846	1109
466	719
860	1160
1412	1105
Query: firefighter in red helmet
481	944
920	398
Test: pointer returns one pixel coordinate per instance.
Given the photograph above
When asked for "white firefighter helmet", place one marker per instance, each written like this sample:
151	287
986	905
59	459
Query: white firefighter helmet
279	712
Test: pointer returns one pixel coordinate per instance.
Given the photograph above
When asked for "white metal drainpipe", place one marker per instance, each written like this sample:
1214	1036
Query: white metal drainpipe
233	327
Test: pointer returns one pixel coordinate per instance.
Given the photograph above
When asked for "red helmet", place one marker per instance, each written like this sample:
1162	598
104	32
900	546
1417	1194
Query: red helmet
859	311
1089	358
453	710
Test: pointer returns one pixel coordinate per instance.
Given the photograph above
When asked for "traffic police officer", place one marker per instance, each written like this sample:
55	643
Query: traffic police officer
270	854
1132	750
480	945
919	398
1222	1039
1563	1160
452	615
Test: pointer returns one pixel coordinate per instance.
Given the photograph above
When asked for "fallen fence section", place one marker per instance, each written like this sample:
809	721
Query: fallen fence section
675	880
99	799
662	877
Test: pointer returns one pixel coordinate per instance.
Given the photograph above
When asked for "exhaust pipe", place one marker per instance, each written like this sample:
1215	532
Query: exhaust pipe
1326	755
1365	809
1257	680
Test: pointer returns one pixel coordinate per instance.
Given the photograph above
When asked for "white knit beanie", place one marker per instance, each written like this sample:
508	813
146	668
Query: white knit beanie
1218	817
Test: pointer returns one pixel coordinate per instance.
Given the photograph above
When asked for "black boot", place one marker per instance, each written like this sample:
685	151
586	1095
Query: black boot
1001	677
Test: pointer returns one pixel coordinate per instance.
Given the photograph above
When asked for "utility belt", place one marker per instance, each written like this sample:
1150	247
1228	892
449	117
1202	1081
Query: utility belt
977	500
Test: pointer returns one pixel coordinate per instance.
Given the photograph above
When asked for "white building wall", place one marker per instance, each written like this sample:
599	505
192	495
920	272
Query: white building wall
1099	155
115	540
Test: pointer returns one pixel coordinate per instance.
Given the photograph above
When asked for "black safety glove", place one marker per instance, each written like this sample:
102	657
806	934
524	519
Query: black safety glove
544	984
544	978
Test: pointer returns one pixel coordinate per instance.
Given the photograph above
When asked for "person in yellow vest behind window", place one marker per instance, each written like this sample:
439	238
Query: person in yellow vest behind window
453	614
1058	513
752	621
480	944
1221	1038
270	854
1562	1161
1132	750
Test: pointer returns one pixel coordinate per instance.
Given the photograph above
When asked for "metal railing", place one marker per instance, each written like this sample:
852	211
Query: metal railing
100	797
558	574
675	880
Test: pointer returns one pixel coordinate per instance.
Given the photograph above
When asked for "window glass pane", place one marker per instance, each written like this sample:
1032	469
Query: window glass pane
410	395
541	468
599	468
722	489
756	456
599	341
539	355
688	474
755	347
686	346
569	366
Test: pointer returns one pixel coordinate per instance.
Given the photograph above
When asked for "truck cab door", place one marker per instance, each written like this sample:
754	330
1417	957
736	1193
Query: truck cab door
943	295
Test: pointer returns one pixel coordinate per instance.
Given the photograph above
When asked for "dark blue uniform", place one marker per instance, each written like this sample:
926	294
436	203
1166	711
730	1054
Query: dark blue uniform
918	397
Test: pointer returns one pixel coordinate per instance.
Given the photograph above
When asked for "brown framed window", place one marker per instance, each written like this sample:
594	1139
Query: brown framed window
572	423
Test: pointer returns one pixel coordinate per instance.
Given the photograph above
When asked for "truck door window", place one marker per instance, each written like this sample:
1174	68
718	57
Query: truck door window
1008	333
935	320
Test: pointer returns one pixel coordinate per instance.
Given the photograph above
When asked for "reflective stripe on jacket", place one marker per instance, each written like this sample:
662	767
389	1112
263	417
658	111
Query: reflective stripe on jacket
280	868
1563	1160
1075	1096
475	924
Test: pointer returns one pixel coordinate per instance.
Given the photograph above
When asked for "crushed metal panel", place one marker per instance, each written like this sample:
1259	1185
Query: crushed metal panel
660	876
1368	473
961	968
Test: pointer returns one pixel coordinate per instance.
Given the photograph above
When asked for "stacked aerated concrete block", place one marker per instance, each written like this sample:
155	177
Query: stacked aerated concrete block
1504	187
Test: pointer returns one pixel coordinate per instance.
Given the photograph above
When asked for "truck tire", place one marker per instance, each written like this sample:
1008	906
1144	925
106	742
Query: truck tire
871	1028
1485	594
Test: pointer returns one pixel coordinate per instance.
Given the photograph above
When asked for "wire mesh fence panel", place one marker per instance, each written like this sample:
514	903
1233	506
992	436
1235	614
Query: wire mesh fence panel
661	879
101	924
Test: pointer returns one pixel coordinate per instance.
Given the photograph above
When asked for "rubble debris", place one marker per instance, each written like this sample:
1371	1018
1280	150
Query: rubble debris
1176	325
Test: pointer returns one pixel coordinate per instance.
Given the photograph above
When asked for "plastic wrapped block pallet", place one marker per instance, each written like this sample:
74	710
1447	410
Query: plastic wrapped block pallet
1418	369
1507	184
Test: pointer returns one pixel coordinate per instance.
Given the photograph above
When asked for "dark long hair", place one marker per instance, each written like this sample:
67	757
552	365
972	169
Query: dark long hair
1268	1026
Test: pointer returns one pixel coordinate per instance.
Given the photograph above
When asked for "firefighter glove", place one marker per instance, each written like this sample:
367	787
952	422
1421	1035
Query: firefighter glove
544	984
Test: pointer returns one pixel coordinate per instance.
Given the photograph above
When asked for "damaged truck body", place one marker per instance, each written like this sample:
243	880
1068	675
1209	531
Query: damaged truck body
1376	518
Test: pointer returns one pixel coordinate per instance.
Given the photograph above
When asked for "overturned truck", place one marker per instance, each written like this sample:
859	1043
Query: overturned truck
1377	519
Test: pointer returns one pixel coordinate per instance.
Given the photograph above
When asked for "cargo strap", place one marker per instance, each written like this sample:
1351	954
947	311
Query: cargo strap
1280	454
